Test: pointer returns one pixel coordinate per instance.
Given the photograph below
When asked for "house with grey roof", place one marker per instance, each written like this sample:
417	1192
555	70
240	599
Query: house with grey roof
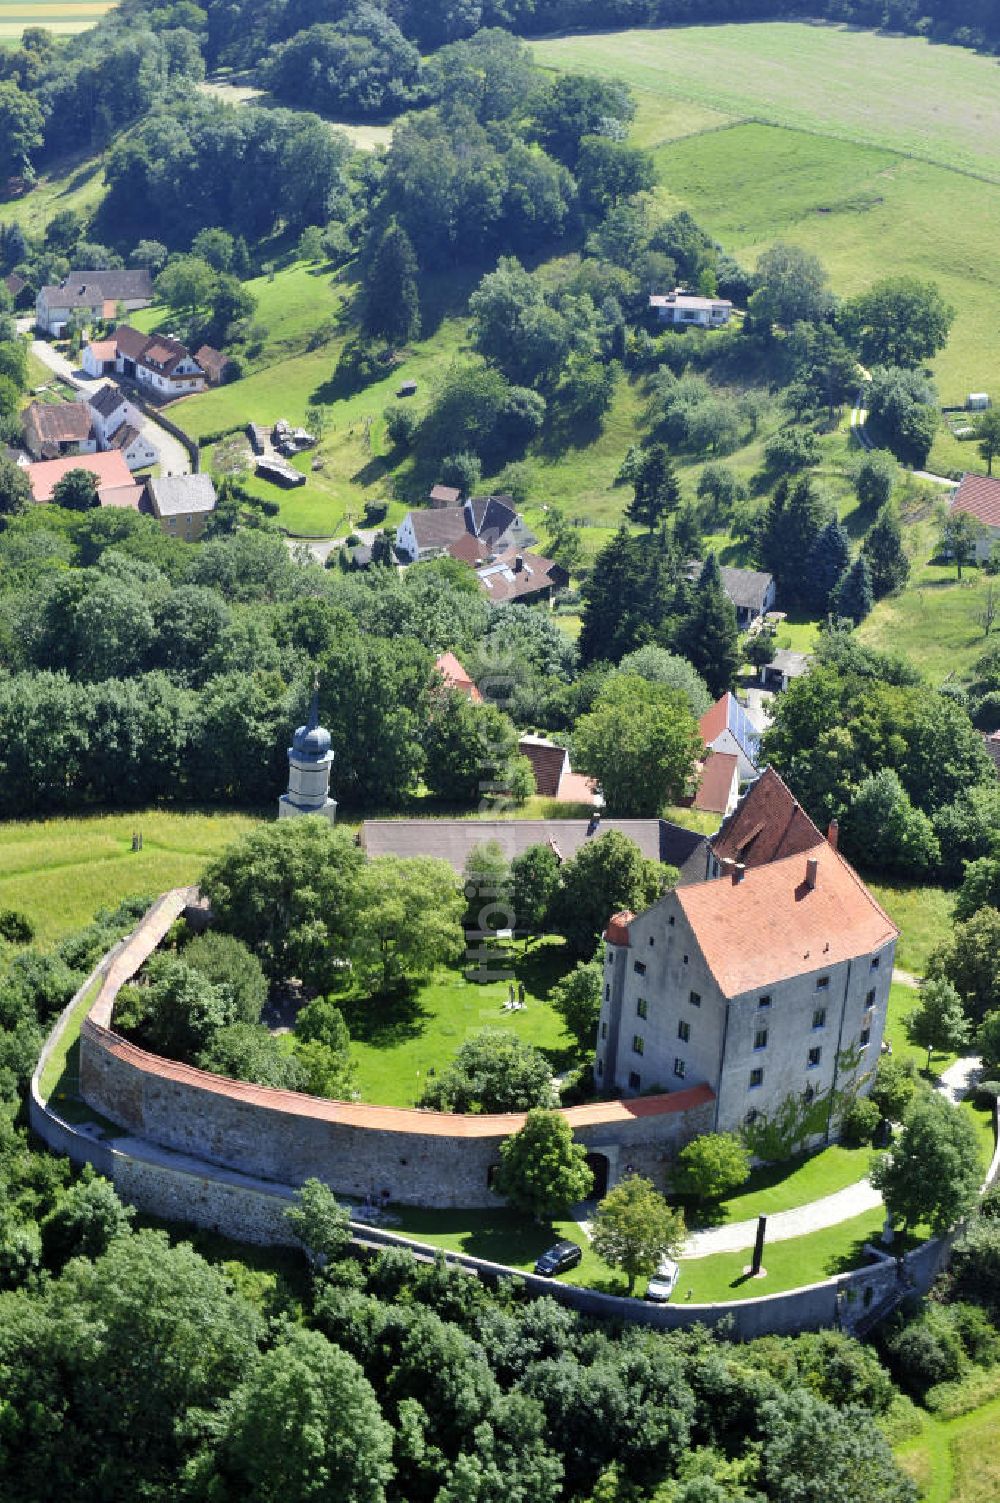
752	591
182	504
783	668
491	521
88	296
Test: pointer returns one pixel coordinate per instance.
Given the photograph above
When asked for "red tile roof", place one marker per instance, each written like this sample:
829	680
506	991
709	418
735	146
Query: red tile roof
468	550
111	470
456	677
767	824
772	925
58	422
577	788
715	787
548	763
445	495
617	932
979	495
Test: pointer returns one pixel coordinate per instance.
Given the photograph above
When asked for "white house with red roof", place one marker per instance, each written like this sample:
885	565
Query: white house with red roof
979	497
727	728
156	361
768	983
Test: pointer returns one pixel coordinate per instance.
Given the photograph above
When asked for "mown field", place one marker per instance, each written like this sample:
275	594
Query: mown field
63	17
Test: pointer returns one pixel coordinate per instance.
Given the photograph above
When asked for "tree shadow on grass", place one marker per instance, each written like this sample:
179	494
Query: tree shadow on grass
385	1022
540	968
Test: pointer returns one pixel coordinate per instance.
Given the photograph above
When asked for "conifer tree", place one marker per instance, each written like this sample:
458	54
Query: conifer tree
628	599
852	595
793	520
883	548
392	300
829	557
709	638
657	490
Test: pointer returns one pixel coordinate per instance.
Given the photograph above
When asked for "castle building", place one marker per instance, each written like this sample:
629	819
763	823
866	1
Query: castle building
764	982
309	763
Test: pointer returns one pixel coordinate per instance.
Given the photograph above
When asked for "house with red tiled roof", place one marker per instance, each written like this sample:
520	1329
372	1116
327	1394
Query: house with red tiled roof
157	362
767	824
979	497
726	727
52	429
769	985
554	777
456	677
718	788
115	486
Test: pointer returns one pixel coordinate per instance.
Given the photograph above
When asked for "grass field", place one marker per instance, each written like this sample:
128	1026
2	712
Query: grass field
934	622
62	17
59	871
923	916
397	1047
955	1461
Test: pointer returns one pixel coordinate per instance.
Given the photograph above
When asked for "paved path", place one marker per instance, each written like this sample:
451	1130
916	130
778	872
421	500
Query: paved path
859	417
831	1210
174	458
960	1078
905	978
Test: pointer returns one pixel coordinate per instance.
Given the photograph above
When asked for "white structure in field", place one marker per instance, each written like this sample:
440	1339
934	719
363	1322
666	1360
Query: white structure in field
309	763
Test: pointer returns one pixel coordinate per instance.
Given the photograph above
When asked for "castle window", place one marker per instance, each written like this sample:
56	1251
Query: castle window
764	1001
751	1117
819	1018
875	962
604	1030
639	966
808	1095
695	999
638	1044
642	1007
600	1067
652	940
865	1038
760	1039
679	1068
685	960
607	991
756	1079
634	1080
609	956
684	1032
823	984
870	999
815	1055
670	921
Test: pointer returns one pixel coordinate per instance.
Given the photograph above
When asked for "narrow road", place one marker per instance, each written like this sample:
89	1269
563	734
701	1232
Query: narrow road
173	455
859	418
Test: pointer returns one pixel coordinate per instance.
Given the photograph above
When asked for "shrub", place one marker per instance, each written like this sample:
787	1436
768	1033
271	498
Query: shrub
860	1121
227	961
924	1353
16	927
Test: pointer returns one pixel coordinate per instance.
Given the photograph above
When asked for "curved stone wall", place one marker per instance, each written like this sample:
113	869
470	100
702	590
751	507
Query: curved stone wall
420	1158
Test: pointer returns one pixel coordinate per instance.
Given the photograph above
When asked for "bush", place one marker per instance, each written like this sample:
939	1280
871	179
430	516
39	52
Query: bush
227	961
860	1121
791	449
375	513
895	1083
925	1353
16	927
401	423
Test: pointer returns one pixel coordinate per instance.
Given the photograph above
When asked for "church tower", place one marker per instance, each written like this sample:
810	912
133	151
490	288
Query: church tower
309	763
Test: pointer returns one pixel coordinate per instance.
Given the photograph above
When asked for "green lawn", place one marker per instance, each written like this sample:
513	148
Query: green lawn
955	1461
782	1187
62	1068
59	871
396	1046
923	916
931	101
75	183
934	621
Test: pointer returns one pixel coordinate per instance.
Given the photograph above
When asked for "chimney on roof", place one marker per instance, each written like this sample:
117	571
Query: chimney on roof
812	871
518	563
832	834
739	870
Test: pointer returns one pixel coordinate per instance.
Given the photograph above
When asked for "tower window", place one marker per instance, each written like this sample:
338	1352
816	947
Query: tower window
865	1038
815	1055
600	1067
638	1044
639	966
642	1007
679	1068
684	1032
756	1079
652	939
634	1080
870	999
607	991
823	984
764	1001
875	962
819	1018
760	1039
604	1030
695	999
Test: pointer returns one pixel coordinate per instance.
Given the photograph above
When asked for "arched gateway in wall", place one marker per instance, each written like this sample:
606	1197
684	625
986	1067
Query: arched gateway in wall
422	1158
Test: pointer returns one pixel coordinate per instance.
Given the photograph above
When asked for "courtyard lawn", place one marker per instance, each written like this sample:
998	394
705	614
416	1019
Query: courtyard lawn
60	871
398	1044
902	1001
955	1460
783	1187
922	915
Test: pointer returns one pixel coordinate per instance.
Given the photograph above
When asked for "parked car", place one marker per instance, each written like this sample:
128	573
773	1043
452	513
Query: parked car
663	1283
558	1259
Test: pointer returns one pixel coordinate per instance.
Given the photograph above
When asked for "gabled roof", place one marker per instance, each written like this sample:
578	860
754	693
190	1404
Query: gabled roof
746	587
212	361
107	399
515	574
548	763
157	352
171	495
58	422
468	550
715	787
453	839
110	469
727	714
979	496
767	824
446	495
124	437
490	517
456	677
103	350
88	289
438	527
773	925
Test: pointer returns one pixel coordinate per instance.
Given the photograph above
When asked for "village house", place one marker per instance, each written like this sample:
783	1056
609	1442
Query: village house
182	504
20	291
727	728
491	521
554	777
518	576
718	788
680	307
115	485
154	361
979	497
751	591
455	677
87	297
766	984
52	429
119	426
214	363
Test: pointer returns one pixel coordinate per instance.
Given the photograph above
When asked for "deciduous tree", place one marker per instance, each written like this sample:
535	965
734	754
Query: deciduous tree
711	1166
542	1170
939	1021
932	1173
640	741
635	1229
608	874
